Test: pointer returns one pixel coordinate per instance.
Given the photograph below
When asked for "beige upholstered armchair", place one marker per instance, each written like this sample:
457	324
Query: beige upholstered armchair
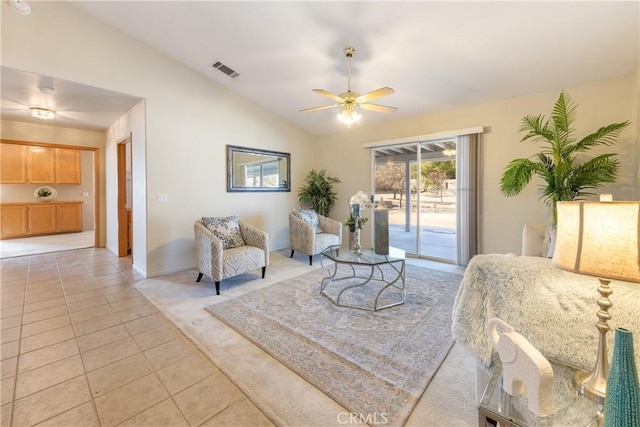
227	247
311	237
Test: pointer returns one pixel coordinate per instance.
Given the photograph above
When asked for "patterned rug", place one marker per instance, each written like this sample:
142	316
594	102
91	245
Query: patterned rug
375	364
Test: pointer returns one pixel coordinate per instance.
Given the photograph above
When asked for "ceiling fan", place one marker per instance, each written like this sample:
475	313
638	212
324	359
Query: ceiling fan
350	100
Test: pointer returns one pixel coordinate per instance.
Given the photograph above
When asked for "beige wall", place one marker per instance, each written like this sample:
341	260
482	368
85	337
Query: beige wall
502	218
189	121
33	132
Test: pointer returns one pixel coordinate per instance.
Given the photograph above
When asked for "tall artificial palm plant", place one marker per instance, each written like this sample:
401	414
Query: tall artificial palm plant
558	164
317	192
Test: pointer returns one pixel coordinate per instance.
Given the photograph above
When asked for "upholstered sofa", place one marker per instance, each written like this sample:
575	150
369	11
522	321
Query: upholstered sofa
310	239
554	309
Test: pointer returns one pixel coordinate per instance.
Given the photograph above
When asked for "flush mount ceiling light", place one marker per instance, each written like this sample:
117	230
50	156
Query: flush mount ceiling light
350	100
20	6
42	113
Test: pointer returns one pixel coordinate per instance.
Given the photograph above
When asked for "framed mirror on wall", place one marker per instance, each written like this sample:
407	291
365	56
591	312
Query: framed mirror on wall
252	169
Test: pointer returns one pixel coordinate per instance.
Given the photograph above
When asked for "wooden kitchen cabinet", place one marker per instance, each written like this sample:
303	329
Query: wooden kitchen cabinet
67	166
41	165
35	219
69	217
42	219
32	164
13	221
13	164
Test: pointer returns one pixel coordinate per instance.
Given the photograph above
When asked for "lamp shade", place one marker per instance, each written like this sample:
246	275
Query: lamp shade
599	239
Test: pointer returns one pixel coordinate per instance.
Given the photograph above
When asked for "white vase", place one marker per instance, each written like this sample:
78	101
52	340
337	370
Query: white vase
354	242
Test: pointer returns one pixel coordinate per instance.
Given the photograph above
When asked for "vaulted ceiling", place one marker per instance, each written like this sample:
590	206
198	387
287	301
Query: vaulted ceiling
435	55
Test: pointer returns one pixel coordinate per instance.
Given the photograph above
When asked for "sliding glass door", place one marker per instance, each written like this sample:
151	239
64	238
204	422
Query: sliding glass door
417	183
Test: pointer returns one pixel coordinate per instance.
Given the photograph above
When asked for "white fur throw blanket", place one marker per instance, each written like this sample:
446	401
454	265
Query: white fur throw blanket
554	309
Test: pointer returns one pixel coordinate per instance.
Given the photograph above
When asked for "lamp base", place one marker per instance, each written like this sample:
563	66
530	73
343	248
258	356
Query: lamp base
591	385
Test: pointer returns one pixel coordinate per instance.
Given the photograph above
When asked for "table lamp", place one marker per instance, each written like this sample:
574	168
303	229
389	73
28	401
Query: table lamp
598	239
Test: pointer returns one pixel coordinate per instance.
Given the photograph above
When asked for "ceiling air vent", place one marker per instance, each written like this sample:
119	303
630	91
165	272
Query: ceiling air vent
223	68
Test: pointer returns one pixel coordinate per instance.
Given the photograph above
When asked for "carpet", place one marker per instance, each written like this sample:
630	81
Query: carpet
375	364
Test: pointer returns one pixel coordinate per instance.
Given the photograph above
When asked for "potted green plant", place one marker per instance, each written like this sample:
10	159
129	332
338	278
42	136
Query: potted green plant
353	223
317	192
558	164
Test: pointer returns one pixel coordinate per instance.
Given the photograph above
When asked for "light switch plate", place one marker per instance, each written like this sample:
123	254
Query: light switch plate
163	197
85	194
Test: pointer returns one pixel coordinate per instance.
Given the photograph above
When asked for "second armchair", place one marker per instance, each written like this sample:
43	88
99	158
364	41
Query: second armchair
311	233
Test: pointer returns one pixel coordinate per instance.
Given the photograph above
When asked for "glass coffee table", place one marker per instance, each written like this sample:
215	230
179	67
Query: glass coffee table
498	408
366	281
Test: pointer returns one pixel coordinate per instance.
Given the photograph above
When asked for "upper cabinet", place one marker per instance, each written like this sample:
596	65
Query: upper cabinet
30	164
41	165
13	164
67	166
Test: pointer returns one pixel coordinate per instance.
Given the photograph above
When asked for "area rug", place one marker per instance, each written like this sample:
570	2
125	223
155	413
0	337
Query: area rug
375	364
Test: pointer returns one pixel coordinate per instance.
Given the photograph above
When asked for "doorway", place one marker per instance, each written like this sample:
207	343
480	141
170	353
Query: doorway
85	192
125	195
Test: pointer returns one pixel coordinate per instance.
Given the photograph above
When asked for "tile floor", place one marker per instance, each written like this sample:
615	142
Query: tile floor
80	346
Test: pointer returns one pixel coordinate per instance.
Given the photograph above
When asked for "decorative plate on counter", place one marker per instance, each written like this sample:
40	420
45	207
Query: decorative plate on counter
45	193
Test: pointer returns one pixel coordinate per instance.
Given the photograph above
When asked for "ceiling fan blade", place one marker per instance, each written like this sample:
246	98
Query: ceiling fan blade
328	94
324	107
383	91
379	108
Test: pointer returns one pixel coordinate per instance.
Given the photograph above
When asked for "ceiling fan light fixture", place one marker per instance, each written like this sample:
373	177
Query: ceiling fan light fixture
349	116
42	113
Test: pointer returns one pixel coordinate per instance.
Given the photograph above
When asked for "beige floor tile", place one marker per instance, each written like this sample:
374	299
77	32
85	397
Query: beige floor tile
6	390
148	322
165	413
9	349
241	413
5	414
37	306
156	336
12	300
102	356
11	312
118	374
130	314
129	303
119	294
207	398
9	367
169	352
11	322
44	339
103	337
45	325
49	375
12	334
33	297
92	325
129	400
46	355
80	288
47	313
87	303
80	296
185	372
50	402
91	313
83	415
